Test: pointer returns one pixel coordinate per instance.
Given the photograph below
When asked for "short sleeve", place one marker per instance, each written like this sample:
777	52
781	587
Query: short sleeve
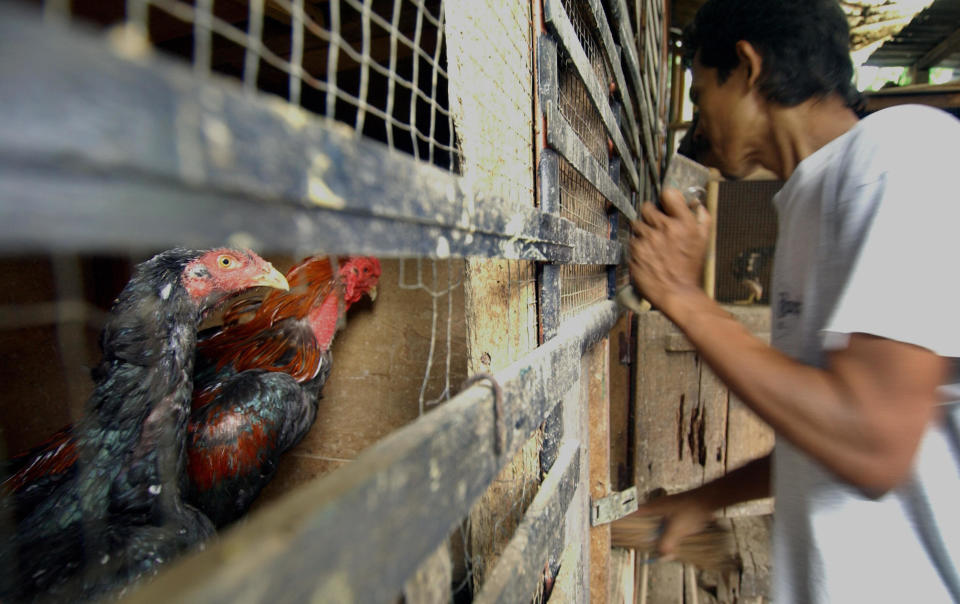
905	282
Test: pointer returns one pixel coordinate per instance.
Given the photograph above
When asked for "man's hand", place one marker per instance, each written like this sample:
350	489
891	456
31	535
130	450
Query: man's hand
667	248
682	515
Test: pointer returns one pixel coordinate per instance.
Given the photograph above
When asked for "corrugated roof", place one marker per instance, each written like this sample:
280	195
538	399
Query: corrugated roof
937	26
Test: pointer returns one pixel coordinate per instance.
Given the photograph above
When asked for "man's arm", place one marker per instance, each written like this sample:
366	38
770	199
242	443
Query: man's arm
862	417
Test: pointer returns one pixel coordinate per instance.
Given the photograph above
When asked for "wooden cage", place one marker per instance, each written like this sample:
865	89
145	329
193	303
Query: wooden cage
490	152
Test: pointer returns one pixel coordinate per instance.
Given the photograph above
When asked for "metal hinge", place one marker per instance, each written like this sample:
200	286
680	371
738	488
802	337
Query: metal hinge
613	507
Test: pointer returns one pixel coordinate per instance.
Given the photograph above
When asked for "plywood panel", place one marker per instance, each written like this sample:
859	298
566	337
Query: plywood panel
689	428
680	423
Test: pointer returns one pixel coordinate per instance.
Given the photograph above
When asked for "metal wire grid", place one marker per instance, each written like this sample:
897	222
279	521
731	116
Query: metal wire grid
46	306
588	40
575	106
376	65
581	286
746	226
581	202
522	288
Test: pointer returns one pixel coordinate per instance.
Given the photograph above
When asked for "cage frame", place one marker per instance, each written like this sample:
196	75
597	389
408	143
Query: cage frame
79	173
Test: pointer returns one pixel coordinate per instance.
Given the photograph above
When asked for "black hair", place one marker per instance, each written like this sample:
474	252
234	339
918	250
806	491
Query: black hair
805	45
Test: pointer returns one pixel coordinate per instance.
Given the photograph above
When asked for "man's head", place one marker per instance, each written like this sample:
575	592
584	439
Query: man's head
805	45
748	55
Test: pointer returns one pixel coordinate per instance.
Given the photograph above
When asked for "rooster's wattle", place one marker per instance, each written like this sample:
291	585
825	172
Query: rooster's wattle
117	513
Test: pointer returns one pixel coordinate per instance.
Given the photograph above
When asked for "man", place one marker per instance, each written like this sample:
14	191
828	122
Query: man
865	309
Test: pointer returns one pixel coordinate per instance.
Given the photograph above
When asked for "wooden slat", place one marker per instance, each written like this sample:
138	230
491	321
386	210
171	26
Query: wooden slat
621	432
599	21
620	16
752	536
710	431
559	23
664	583
622	584
520	566
337	539
567	588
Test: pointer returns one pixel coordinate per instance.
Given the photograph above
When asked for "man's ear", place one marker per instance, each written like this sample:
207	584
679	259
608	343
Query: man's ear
752	60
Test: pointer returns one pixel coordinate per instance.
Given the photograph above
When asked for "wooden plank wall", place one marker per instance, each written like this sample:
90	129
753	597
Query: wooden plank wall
689	429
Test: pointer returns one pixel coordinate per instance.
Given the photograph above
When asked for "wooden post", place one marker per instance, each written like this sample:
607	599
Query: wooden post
710	263
595	362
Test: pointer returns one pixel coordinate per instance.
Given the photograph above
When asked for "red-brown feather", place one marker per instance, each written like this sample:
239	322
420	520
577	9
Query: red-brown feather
243	344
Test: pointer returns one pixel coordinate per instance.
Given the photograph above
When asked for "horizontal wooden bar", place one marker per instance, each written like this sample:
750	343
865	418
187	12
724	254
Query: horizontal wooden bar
558	22
358	533
520	566
100	151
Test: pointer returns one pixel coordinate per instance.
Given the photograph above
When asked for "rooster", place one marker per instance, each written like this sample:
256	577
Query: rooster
749	268
242	417
258	379
116	514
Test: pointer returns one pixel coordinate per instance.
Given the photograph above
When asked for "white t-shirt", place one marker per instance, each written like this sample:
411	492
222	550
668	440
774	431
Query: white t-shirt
868	244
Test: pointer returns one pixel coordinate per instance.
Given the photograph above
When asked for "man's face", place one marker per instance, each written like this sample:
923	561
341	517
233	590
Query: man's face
728	118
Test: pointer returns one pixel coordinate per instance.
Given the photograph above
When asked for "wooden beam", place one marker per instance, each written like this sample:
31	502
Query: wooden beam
945	100
946	47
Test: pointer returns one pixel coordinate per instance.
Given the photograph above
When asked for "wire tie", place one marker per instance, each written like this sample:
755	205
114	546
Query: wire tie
499	427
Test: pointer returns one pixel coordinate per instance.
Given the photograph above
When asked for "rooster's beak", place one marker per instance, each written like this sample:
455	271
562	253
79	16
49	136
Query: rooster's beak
273	278
372	293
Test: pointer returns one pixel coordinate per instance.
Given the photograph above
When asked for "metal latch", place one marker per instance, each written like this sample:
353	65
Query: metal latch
613	507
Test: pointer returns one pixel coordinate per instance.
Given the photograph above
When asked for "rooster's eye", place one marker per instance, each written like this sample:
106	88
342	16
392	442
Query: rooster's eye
225	261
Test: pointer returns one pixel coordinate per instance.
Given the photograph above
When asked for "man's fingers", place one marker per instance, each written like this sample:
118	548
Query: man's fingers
703	218
673	202
651	214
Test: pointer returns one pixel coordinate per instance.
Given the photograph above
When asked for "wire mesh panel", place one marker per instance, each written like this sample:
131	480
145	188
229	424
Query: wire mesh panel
581	286
581	203
379	67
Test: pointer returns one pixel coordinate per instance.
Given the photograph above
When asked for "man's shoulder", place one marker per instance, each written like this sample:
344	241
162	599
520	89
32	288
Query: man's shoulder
899	138
906	123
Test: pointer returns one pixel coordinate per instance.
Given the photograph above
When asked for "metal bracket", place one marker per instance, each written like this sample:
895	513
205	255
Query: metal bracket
613	507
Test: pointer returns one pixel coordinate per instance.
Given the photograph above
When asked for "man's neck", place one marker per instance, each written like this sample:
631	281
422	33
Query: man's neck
799	131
